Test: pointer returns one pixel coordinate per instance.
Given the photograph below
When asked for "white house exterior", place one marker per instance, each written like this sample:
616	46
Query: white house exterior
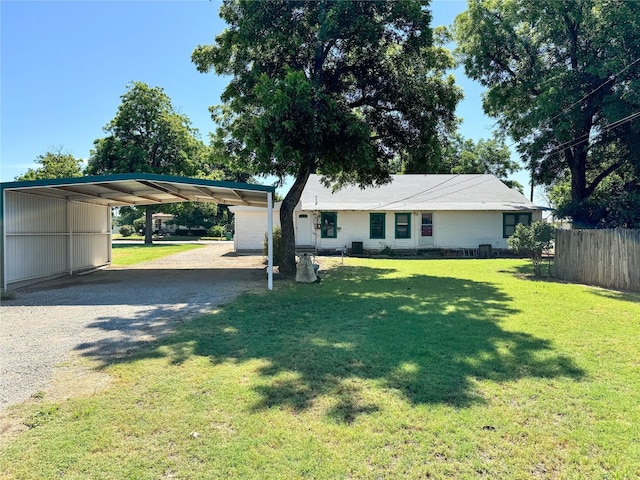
413	212
250	231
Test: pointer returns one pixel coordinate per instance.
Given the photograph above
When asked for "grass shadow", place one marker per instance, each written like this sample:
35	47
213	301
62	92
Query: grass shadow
426	338
631	297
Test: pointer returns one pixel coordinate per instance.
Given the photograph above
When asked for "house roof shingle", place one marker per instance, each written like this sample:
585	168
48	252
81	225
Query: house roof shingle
419	192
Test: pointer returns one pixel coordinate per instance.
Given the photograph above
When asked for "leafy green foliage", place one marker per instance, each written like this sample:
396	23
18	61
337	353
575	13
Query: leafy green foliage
533	240
147	135
139	224
563	81
343	89
278	246
126	230
194	214
54	164
217	231
463	155
615	203
127	215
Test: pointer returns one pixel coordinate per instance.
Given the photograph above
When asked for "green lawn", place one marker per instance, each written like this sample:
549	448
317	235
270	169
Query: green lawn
129	254
386	369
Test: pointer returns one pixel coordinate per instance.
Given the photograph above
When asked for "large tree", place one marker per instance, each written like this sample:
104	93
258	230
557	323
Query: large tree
341	88
54	164
147	135
563	81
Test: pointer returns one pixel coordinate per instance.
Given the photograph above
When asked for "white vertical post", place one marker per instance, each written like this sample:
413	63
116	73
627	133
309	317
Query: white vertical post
70	237
3	221
110	236
270	239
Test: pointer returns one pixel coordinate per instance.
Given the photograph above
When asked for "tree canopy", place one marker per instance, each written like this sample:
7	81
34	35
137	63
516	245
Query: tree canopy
563	81
147	135
339	88
194	214
54	164
463	155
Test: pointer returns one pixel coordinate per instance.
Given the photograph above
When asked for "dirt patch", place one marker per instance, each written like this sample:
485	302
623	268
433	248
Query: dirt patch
69	381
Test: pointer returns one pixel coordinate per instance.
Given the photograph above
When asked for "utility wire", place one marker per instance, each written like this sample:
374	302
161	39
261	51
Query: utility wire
462	189
419	193
566	109
584	137
437	187
595	89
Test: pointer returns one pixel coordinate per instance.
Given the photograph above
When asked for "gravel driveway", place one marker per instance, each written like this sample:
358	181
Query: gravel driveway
112	311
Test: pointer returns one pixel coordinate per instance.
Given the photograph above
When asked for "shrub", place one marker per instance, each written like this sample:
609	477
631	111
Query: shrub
387	250
139	225
278	246
126	230
217	231
532	240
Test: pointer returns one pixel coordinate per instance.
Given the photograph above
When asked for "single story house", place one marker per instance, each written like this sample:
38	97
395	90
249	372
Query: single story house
160	224
412	213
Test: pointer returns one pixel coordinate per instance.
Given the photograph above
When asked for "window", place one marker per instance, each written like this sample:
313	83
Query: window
376	225
403	225
328	228
510	220
427	224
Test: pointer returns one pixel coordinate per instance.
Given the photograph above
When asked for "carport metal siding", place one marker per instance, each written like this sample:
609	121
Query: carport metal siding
59	226
49	236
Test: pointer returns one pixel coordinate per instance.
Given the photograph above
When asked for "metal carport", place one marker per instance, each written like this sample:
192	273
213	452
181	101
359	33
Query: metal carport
61	226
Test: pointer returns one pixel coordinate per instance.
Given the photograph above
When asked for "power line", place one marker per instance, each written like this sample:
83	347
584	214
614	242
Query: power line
595	89
566	109
584	137
439	186
419	193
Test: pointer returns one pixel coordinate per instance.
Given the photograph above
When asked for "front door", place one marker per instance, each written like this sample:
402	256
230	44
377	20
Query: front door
303	229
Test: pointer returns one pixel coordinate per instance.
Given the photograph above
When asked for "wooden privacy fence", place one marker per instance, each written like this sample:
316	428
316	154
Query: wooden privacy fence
606	258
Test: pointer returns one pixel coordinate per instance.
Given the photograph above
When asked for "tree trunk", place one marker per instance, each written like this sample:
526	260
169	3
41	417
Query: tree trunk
577	160
288	262
148	225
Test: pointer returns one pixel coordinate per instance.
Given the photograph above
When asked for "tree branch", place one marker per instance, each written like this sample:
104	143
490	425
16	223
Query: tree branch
604	174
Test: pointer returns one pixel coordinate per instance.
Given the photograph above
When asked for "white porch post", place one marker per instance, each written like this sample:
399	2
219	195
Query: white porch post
270	239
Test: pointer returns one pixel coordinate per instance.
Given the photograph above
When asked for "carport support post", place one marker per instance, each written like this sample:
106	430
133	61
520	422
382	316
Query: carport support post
270	239
3	240
69	238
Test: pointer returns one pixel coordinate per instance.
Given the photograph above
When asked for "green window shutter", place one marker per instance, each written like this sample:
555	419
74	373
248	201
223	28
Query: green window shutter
328	225
510	220
377	225
403	225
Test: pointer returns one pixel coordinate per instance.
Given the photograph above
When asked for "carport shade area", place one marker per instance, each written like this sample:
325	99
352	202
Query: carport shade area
63	226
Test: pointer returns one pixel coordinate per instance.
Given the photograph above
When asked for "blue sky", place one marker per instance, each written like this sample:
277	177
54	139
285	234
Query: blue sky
65	65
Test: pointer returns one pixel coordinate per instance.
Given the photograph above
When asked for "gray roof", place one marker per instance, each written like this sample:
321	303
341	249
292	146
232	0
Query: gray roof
419	192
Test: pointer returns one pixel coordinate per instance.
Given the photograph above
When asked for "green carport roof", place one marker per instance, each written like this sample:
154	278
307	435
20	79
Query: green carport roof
125	189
